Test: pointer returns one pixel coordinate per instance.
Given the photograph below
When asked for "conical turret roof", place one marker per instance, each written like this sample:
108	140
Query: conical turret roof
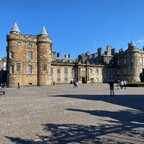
43	31
15	28
133	44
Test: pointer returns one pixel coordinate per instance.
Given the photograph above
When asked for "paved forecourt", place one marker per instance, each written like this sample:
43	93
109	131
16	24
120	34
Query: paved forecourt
64	114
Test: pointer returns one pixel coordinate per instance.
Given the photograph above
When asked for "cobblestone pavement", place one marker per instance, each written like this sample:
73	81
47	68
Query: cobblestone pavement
63	114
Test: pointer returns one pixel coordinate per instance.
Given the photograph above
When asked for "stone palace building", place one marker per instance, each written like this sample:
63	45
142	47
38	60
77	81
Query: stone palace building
32	61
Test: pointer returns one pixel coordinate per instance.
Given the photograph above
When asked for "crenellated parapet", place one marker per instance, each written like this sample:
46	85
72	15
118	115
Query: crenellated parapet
43	39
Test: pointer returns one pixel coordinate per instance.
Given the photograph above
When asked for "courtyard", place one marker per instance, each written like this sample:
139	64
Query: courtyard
63	114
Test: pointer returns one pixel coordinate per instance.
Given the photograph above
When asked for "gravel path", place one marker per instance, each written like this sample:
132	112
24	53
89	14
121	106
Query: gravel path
63	114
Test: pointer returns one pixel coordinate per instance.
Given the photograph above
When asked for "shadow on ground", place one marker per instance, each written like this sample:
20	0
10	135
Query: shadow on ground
126	126
131	101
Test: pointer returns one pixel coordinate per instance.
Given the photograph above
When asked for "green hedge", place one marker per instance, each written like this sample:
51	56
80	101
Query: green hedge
136	84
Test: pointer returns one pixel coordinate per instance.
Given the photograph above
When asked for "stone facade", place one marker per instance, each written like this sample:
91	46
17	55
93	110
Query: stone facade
124	65
32	61
3	71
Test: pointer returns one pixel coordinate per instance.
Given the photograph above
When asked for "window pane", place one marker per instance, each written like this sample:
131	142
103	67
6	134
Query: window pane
51	71
30	55
132	60
90	71
97	71
65	71
132	71
11	55
124	60
58	71
58	79
12	69
30	69
18	66
44	67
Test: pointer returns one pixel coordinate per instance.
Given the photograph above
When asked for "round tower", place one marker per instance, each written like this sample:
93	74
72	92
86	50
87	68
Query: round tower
44	56
134	67
13	55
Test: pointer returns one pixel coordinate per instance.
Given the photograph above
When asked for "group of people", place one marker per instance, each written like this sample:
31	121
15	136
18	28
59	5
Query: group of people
121	84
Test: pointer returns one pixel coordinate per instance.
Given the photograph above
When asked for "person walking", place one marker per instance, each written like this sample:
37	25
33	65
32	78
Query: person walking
111	85
75	84
91	82
121	84
118	84
124	82
53	83
18	87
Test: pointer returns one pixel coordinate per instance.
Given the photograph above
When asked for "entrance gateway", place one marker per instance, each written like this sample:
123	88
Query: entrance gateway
83	80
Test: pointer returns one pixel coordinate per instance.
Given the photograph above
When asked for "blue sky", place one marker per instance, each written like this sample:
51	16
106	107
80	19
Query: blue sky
76	26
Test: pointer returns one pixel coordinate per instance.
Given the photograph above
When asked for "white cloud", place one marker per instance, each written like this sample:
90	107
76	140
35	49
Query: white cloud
140	42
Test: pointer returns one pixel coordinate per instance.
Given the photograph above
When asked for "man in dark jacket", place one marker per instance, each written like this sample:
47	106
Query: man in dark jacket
111	84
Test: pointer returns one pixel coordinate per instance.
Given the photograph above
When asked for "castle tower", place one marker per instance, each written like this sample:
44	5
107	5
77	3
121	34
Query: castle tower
44	55
21	58
13	55
134	65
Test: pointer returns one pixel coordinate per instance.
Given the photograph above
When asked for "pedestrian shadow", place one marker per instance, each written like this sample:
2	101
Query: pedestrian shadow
18	140
131	101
